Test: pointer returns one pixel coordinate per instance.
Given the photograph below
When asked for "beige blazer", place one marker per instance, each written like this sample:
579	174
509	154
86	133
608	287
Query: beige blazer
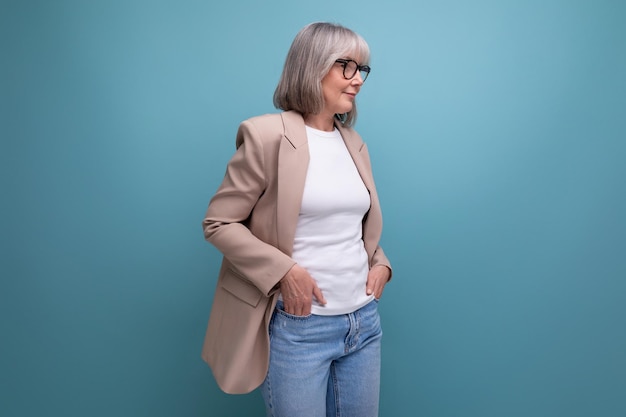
252	220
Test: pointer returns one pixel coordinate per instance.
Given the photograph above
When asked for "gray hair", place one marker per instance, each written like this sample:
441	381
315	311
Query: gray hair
310	57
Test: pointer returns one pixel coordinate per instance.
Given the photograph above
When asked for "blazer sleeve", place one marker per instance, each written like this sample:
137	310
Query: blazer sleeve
224	226
379	258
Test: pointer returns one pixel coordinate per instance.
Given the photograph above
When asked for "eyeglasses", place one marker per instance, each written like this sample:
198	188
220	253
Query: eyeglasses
350	67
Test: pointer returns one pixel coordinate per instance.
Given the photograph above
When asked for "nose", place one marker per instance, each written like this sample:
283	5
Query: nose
357	78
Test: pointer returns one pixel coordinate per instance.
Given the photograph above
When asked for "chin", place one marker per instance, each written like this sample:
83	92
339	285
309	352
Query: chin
346	109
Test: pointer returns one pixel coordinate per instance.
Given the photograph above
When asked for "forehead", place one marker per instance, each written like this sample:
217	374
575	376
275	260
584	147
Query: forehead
355	56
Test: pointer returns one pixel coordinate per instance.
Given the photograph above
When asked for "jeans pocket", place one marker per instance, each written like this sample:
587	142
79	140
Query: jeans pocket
280	310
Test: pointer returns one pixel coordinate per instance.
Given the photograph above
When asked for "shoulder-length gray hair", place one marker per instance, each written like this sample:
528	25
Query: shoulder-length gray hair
310	57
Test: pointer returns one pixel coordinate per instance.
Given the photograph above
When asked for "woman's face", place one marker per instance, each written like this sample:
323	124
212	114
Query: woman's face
339	93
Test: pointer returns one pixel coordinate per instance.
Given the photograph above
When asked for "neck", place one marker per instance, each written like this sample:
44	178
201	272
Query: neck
320	122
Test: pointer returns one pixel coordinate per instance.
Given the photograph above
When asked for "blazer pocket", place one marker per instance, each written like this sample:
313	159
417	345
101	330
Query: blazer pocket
237	286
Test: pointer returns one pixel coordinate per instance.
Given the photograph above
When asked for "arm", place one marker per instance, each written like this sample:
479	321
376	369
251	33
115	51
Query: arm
224	224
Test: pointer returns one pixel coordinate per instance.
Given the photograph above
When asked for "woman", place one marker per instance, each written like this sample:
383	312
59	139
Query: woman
298	221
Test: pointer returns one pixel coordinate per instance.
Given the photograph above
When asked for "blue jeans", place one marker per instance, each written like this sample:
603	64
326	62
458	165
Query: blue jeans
324	365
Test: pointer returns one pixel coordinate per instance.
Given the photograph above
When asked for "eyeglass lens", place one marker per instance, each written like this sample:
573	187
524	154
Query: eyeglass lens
350	68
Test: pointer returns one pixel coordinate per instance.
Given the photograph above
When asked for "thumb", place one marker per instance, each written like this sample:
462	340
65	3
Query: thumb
369	286
317	293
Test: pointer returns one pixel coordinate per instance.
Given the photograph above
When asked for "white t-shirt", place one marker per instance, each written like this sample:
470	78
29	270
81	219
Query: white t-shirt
328	241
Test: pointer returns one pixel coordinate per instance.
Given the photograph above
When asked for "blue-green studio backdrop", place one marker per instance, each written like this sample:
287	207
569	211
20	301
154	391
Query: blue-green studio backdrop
497	131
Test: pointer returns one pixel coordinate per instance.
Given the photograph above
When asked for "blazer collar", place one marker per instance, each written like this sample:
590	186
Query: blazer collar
294	131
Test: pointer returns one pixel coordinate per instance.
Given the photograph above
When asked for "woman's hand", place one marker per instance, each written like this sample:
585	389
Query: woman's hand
377	277
298	288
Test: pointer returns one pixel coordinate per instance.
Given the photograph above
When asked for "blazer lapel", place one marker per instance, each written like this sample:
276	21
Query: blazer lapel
355	145
372	223
293	162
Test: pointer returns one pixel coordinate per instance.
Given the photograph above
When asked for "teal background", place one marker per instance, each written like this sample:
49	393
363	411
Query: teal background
497	132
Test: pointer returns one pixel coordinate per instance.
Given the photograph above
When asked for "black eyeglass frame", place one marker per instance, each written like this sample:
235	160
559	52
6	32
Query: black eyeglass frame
359	68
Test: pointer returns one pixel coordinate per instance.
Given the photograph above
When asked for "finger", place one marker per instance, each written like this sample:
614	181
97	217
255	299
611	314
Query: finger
288	307
303	309
379	292
375	287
